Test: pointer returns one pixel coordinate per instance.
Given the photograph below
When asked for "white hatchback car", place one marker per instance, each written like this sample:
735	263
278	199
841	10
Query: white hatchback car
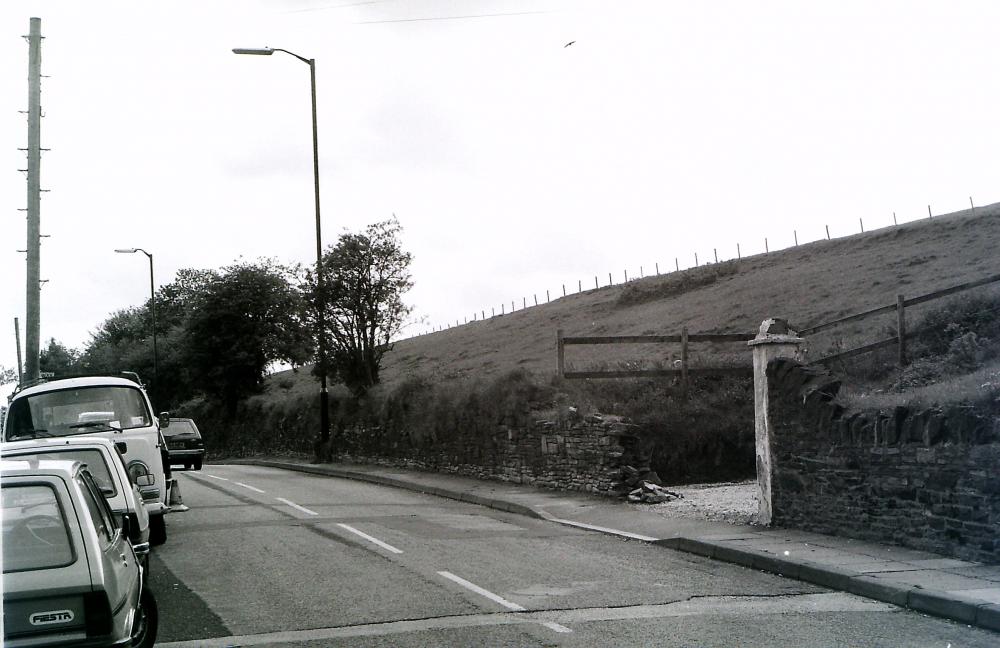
105	462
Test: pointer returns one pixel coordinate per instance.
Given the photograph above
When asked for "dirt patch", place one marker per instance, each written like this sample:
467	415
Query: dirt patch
735	503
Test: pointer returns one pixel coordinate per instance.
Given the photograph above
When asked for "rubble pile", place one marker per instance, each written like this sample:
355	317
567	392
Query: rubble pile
643	486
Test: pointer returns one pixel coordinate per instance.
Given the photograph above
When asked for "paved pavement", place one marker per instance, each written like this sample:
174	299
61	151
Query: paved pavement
964	591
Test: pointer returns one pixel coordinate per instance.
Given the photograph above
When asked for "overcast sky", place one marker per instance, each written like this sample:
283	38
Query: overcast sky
515	163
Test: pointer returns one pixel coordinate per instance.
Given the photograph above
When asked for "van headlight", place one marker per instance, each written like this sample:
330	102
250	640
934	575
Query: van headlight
140	475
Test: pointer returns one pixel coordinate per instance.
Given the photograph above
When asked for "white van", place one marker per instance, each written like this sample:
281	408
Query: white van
109	406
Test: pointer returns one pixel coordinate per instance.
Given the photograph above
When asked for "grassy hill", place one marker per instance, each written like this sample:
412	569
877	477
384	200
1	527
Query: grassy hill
806	285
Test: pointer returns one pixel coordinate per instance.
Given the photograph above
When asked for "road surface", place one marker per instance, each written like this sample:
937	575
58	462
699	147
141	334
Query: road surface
267	557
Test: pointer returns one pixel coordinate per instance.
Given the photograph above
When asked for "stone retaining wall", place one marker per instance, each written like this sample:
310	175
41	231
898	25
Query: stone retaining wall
927	479
583	456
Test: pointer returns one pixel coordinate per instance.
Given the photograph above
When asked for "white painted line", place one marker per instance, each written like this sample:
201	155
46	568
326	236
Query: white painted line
552	625
296	506
479	590
624	534
248	486
387	547
212	476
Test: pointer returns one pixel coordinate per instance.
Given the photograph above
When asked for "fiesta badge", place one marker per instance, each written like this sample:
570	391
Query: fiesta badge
48	618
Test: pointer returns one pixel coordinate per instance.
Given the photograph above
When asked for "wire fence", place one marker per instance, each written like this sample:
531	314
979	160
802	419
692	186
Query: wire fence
502	309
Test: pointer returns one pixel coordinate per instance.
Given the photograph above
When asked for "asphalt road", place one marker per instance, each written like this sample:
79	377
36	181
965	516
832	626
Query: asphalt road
267	557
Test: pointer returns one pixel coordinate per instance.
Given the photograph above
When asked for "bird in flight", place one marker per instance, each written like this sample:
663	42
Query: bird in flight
568	44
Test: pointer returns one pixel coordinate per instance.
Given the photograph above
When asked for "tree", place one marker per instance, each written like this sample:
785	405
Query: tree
365	276
248	316
58	359
7	375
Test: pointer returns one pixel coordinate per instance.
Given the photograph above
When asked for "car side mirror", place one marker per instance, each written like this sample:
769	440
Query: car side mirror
145	480
164	420
122	447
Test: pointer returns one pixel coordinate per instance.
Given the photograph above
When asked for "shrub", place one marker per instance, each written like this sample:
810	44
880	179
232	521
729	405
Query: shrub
675	283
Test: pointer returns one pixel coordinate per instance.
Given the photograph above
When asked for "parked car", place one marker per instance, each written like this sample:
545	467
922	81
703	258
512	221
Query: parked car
109	406
70	575
184	442
106	464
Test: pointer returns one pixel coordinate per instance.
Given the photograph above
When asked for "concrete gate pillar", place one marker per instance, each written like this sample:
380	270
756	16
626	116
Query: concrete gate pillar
775	340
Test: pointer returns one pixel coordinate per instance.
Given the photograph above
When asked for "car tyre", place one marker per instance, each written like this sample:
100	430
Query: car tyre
197	464
157	530
146	622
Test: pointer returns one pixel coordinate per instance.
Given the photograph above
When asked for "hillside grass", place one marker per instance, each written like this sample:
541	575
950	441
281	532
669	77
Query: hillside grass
806	285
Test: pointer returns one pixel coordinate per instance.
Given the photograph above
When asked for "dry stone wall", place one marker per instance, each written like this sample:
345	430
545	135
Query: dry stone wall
922	478
583	455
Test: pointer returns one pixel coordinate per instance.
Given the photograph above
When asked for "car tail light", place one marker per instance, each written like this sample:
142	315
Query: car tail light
97	613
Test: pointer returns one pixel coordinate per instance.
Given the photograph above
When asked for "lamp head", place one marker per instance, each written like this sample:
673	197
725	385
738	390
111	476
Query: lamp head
261	51
127	250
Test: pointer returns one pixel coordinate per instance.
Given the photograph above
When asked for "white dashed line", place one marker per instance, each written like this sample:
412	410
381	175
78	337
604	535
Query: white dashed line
479	590
386	546
248	487
214	477
296	506
552	625
594	527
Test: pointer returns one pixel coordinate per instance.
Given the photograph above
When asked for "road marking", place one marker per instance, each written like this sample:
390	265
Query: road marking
248	487
479	590
296	506
213	477
387	547
552	625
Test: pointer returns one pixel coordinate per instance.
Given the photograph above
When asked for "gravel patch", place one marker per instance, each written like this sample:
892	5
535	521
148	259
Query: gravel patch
735	503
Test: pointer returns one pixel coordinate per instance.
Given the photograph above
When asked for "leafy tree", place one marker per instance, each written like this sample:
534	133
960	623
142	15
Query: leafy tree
7	375
365	276
248	316
58	359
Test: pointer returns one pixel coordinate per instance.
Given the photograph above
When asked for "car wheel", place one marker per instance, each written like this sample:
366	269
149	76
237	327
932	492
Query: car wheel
197	464
146	621
157	530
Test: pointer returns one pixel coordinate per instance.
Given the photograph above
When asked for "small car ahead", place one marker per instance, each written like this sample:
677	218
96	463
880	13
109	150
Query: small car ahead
184	443
70	575
104	460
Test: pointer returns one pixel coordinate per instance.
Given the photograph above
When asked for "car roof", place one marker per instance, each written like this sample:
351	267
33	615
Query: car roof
32	468
45	444
71	383
175	418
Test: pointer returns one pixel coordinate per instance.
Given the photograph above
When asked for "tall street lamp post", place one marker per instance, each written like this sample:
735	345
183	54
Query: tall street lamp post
152	302
324	416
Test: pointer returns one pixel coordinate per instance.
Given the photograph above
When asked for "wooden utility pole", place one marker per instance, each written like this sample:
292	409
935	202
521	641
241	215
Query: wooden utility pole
32	333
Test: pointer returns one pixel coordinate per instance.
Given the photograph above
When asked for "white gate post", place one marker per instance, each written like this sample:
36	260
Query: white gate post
775	340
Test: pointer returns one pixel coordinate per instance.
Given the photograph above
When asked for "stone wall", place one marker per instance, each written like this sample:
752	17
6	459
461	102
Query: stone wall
927	479
583	455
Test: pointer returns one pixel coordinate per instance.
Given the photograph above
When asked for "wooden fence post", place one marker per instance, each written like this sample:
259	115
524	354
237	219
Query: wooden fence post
901	329
677	265
696	259
595	283
657	268
894	219
862	222
716	251
827	232
547	298
684	358
972	206
564	290
626	275
610	281
559	352
579	285
929	212
739	255
641	275
536	299
796	234
502	309
766	249
524	302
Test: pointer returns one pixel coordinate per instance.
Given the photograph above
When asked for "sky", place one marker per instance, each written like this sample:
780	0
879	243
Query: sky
522	144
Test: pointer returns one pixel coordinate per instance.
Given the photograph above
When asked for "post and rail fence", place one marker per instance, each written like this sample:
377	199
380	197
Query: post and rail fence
902	334
683	371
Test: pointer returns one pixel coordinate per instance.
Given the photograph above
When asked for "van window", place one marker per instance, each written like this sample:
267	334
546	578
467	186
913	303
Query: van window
104	521
35	535
82	410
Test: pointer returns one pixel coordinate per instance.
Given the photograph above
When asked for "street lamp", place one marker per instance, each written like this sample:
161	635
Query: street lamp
324	416
152	301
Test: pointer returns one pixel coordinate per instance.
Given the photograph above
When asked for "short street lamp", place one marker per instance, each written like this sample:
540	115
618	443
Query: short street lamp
152	302
324	416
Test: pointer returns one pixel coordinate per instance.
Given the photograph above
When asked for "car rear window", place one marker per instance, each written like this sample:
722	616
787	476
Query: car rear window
94	459
180	427
35	535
